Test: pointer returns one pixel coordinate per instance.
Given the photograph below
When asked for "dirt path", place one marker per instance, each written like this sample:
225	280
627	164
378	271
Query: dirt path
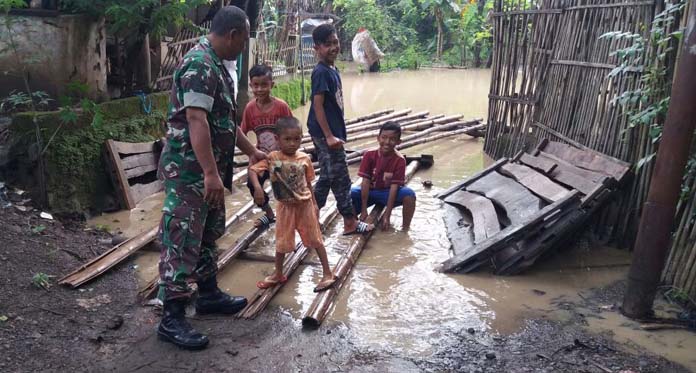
100	328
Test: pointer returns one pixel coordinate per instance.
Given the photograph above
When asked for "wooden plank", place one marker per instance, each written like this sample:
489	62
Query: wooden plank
485	219
139	171
472	178
459	224
141	191
138	160
535	181
587	160
573	177
482	252
121	178
518	202
541	164
134	147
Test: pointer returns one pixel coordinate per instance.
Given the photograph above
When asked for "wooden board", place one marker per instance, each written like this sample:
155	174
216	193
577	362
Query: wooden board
459	226
472	178
126	148
138	160
574	177
513	233
140	191
588	160
140	170
485	220
534	181
537	163
118	174
518	202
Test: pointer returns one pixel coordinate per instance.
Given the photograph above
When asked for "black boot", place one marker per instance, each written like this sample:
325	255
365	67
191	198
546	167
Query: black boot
175	329
213	300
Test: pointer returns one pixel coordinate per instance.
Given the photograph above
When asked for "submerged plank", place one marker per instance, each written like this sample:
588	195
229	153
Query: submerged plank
518	202
535	181
472	178
485	219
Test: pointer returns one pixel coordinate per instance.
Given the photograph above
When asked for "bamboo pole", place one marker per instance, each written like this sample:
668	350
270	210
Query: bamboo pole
324	300
369	116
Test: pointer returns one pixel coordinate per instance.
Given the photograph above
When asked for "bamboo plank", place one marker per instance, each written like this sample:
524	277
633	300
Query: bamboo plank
587	160
369	116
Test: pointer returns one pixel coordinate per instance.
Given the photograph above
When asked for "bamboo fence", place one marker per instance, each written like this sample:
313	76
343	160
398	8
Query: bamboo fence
550	80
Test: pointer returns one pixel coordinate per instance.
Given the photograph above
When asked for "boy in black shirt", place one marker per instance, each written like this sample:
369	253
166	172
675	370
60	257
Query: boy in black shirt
328	130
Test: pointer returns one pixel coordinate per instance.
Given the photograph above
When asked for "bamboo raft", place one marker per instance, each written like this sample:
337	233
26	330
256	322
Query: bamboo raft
430	128
516	210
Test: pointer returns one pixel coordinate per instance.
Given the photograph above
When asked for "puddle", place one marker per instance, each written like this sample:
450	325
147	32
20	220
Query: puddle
394	299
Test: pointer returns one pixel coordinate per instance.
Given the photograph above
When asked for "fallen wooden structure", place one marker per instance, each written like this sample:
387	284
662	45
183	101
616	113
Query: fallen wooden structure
516	210
133	170
321	305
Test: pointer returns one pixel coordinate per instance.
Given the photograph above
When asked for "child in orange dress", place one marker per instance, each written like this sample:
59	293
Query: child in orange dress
291	174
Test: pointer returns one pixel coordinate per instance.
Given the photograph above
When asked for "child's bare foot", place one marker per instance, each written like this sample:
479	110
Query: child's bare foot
327	282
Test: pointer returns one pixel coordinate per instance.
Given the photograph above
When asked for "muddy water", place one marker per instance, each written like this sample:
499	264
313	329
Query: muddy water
394	299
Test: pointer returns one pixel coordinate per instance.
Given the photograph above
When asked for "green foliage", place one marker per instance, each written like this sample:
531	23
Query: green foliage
6	5
41	280
38	229
135	17
19	101
647	105
291	92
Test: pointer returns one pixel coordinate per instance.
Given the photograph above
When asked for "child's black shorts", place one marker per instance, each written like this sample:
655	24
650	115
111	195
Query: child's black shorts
262	180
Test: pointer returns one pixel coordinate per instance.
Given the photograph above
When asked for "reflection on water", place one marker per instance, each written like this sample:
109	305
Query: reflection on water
394	299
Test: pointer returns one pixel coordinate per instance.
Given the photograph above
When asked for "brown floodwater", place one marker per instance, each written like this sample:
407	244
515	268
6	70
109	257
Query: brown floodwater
394	297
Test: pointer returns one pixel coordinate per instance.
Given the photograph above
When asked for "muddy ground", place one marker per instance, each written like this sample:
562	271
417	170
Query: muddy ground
101	328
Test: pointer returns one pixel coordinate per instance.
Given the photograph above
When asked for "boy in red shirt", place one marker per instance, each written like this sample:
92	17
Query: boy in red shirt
383	171
260	116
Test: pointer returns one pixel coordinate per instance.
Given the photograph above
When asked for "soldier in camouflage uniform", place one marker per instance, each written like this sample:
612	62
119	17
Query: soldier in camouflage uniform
201	136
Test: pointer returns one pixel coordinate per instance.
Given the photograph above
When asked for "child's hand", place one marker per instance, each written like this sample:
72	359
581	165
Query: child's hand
385	220
259	196
334	143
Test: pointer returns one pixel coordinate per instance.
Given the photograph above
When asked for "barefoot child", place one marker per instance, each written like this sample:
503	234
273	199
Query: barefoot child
260	116
328	129
291	173
383	172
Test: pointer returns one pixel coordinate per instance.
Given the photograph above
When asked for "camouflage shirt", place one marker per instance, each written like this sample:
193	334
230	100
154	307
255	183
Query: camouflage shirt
201	81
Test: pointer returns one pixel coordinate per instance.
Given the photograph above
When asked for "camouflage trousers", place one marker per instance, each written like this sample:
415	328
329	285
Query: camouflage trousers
188	231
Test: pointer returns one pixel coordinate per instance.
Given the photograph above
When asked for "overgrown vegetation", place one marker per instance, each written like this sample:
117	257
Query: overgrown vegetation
291	92
130	22
647	104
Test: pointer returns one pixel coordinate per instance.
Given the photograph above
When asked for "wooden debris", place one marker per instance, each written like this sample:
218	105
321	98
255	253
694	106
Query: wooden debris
128	163
369	116
569	196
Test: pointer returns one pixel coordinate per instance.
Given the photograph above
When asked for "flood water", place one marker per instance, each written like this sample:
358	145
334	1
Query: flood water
394	298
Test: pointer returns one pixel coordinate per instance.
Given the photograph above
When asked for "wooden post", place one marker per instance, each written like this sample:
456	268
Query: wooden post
657	220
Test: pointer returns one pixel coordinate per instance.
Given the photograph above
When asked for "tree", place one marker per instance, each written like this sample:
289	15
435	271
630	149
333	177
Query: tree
132	21
440	9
